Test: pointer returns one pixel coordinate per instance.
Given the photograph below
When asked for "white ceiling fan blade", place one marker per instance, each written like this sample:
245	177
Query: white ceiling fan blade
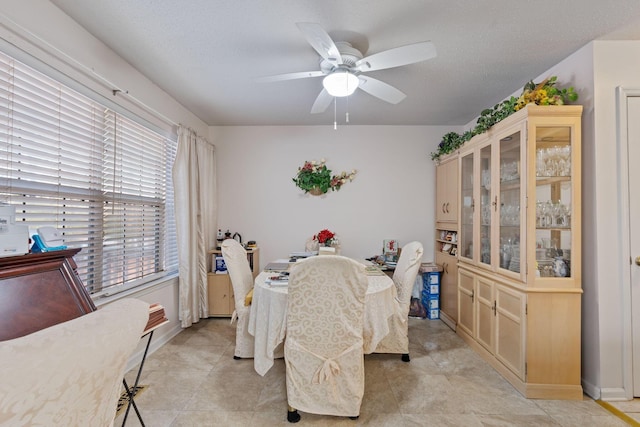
381	90
320	41
322	102
290	76
397	57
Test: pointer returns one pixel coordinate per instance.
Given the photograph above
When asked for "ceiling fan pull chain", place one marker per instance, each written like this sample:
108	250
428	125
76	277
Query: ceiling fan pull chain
335	121
347	114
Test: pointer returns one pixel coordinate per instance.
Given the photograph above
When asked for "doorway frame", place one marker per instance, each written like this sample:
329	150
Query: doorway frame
624	266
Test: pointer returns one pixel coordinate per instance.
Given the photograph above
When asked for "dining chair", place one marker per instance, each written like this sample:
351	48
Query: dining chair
235	258
70	374
323	348
404	277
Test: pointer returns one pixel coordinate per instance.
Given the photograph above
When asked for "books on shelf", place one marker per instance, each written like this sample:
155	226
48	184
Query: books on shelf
157	317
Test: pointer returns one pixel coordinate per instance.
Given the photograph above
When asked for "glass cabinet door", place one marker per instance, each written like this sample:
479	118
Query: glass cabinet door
486	205
553	207
509	200
465	247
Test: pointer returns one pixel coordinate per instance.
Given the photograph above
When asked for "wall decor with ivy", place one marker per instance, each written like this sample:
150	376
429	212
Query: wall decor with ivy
543	93
315	178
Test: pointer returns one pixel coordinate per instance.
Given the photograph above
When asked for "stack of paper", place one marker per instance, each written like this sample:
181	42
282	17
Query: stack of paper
294	256
281	279
277	266
373	270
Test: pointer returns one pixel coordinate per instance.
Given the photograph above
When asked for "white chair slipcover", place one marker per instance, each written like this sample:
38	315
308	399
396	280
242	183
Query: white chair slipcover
324	346
404	277
70	374
235	257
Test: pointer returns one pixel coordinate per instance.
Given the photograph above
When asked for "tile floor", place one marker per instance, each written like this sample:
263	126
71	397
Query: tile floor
194	381
629	408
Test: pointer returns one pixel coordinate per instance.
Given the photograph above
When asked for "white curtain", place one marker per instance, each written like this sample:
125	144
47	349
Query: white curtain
194	181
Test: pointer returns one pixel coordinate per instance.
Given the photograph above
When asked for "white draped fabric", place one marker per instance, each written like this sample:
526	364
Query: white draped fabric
404	278
235	257
70	374
194	181
324	347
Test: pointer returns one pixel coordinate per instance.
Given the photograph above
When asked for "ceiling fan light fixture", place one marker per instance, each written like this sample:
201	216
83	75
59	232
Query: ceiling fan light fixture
341	83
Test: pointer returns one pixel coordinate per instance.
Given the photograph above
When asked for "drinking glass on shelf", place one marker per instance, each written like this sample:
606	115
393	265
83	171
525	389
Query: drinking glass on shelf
544	214
540	166
486	179
486	215
553	161
558	218
566	212
539	208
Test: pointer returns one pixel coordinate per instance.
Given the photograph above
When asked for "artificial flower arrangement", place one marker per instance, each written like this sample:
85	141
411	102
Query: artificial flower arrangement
543	93
315	178
325	237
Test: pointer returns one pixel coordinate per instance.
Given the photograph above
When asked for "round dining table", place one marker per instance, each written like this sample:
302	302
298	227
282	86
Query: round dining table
268	316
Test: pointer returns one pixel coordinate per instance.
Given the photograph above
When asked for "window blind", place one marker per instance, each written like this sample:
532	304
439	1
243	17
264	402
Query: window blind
104	180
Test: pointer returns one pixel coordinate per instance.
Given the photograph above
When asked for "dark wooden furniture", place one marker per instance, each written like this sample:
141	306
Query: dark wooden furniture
38	291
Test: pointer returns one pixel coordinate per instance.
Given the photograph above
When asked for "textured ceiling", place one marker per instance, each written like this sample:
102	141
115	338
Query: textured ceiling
206	54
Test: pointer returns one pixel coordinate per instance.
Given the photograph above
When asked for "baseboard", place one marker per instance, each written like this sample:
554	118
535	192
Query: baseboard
591	390
614	394
448	320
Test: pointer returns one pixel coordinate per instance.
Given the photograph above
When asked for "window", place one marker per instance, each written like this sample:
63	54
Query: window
101	178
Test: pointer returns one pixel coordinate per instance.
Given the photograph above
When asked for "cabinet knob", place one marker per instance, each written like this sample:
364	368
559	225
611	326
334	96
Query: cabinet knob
638	260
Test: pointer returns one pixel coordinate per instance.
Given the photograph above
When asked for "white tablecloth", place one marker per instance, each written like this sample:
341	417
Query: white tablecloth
268	318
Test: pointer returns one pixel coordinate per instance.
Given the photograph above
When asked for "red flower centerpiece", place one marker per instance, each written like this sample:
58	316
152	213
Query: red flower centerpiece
324	237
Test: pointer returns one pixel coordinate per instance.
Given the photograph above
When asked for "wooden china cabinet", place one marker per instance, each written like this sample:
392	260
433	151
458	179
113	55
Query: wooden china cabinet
446	237
519	270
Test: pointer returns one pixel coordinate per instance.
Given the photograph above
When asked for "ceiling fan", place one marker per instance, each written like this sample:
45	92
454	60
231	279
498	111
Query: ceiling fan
342	67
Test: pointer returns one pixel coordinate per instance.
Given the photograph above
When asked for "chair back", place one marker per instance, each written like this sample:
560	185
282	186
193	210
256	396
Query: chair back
70	374
406	272
235	257
324	345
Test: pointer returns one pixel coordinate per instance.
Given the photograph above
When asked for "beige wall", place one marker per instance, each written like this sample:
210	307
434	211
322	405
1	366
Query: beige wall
391	197
616	64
